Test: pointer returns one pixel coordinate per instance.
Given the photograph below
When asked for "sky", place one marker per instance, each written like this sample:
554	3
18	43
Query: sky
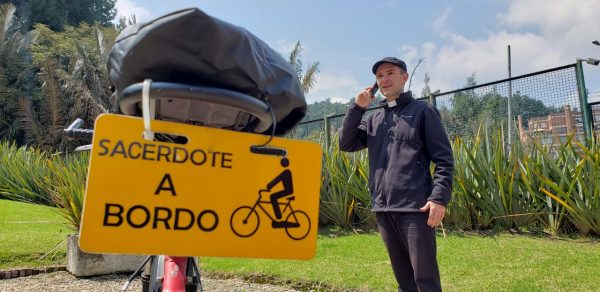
455	38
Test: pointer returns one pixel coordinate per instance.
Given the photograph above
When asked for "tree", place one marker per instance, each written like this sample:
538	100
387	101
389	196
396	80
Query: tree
413	72
470	109
426	91
100	12
320	109
471	80
126	21
317	111
307	78
57	14
74	83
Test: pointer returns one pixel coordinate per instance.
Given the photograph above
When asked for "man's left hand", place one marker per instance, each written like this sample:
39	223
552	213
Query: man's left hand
436	213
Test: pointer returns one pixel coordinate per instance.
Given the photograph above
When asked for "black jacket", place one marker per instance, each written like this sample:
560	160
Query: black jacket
402	141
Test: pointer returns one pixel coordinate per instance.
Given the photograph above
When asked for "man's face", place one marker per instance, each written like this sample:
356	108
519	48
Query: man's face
391	80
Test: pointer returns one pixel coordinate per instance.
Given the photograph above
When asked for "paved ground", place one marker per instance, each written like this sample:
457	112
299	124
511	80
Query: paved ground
63	281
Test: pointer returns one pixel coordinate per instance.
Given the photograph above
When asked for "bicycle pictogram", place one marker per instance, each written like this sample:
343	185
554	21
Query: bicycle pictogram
245	219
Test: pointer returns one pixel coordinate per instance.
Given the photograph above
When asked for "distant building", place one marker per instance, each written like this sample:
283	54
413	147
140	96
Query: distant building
556	127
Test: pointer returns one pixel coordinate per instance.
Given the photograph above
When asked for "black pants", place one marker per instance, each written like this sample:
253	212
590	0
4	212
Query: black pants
412	249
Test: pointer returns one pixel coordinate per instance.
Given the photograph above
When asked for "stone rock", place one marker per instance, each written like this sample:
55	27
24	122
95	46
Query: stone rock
82	264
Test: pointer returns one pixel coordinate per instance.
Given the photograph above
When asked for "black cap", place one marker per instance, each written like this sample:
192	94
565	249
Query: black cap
390	60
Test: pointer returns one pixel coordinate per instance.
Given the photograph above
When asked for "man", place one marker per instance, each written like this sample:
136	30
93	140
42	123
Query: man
402	139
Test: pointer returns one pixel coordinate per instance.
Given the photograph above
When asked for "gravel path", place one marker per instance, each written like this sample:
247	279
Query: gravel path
63	281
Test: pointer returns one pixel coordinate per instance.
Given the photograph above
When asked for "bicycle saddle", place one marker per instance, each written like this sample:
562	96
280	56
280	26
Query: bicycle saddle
208	71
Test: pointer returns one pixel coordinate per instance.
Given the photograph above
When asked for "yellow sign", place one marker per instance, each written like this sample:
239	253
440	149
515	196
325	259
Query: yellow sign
211	196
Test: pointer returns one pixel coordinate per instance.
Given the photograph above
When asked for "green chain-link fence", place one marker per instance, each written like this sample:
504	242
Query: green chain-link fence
546	104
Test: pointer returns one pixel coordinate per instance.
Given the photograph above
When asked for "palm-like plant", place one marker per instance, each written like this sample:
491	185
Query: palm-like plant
536	166
307	78
572	182
7	12
43	121
345	199
68	187
461	212
74	84
21	171
13	72
490	178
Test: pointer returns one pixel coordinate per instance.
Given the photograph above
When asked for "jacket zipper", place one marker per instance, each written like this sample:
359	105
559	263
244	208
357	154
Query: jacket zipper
386	157
388	118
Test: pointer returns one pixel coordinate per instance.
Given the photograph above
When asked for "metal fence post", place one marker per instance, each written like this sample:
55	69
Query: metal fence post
327	131
509	121
432	100
583	102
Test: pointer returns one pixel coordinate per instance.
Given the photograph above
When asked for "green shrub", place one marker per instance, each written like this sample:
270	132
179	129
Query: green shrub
31	175
345	198
572	181
529	186
68	188
23	172
490	184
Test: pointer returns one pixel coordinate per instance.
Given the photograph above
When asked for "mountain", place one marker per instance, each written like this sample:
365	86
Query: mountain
320	109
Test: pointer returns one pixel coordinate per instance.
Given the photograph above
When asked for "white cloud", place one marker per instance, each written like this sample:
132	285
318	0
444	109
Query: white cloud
409	54
450	65
542	34
553	18
489	57
127	8
439	24
568	25
334	85
388	4
338	100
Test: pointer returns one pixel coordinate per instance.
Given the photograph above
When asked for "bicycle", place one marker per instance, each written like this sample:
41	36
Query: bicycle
255	90
170	273
245	221
154	266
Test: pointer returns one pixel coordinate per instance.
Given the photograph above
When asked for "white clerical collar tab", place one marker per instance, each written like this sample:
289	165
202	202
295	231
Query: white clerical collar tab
391	103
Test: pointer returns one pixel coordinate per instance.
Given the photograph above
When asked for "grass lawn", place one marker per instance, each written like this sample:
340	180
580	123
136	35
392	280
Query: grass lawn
468	262
503	262
519	263
27	232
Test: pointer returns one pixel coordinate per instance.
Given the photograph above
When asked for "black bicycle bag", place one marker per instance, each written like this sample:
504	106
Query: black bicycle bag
190	47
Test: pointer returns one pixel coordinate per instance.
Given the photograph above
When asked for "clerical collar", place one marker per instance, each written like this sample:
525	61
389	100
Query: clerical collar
403	99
